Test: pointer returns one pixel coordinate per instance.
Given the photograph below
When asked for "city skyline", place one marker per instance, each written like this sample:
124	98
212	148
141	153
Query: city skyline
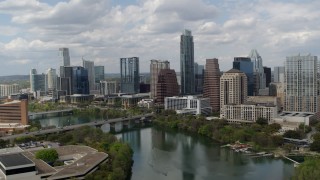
32	31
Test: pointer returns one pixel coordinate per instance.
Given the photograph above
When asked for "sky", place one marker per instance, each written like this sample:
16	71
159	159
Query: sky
32	31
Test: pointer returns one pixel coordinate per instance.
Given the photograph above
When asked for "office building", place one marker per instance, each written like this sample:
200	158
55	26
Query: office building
188	105
108	87
187	63
301	83
198	78
233	88
52	79
38	82
75	80
278	74
155	67
8	89
167	85
64	54
244	64
260	80
212	84
14	112
89	66
129	70
98	73
267	74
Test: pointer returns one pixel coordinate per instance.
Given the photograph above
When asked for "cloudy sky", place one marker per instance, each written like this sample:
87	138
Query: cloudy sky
31	31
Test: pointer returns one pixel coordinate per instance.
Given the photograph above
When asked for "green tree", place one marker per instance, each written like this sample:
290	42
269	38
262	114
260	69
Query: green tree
315	146
316	137
309	169
47	155
288	147
292	134
262	121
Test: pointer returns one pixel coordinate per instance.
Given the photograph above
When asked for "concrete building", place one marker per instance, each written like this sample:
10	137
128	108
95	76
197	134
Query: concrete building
128	101
52	79
245	65
167	85
64	54
301	83
258	70
233	88
277	89
188	105
187	63
89	66
147	103
278	74
108	87
8	89
14	112
266	100
129	70
198	78
211	88
155	67
248	112
292	120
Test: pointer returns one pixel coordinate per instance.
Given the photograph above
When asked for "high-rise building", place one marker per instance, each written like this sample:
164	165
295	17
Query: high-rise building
301	83
233	88
108	87
187	63
99	73
52	79
260	80
38	82
8	89
211	88
89	66
278	74
167	85
155	67
64	53
129	70
198	78
244	64
267	74
75	80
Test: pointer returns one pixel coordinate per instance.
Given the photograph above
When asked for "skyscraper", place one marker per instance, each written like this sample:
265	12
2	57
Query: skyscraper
64	53
233	88
99	73
75	80
129	70
211	88
167	85
301	83
267	74
244	64
278	74
260	80
38	82
52	79
89	66
198	78
187	63
155	67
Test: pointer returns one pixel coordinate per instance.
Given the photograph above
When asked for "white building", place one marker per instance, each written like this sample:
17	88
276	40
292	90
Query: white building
292	120
8	89
108	87
52	79
148	103
249	112
188	105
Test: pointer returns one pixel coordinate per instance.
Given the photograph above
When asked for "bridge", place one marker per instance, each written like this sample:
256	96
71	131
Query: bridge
76	126
31	114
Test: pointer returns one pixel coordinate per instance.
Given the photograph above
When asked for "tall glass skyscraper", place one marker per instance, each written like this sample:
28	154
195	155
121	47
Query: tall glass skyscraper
187	63
99	73
89	66
301	83
244	64
52	79
260	80
64	53
75	80
198	78
129	70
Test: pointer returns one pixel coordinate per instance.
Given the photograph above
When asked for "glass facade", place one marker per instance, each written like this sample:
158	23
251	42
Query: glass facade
129	70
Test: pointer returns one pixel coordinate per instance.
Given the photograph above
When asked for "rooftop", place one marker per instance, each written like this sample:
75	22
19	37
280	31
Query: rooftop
234	71
296	114
11	160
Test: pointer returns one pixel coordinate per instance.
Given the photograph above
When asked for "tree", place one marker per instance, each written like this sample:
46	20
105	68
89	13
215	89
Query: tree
47	155
315	146
309	169
262	121
288	147
292	134
316	137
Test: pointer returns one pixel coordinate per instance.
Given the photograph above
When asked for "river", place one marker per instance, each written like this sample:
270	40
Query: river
160	154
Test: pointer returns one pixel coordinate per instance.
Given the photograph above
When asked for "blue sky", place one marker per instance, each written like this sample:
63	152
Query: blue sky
31	31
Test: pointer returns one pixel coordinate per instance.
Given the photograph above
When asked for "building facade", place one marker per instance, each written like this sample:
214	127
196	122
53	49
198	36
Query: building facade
244	64
258	71
8	89
198	78
108	87
75	80
233	88
167	85
52	79
187	63
267	74
129	70
155	67
98	73
89	66
278	74
14	112
64	54
211	88
188	105
301	83
38	82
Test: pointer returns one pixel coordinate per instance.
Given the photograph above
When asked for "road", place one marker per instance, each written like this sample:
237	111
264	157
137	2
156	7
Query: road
72	127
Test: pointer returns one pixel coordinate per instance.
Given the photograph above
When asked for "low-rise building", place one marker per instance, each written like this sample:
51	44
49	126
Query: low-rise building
188	105
292	120
14	112
132	100
148	103
267	100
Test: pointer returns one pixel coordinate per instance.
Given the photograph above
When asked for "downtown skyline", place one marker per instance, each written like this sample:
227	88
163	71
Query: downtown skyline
104	31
